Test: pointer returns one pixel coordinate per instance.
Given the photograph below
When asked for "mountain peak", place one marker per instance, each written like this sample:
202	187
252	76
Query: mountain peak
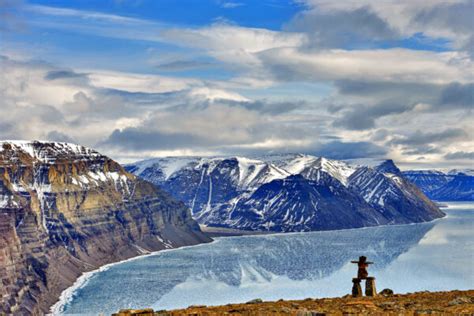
388	166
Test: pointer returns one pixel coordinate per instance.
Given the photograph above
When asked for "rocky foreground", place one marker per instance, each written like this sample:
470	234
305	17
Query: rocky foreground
420	303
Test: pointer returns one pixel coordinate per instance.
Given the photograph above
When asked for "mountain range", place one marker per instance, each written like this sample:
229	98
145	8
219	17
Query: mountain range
293	192
454	185
66	209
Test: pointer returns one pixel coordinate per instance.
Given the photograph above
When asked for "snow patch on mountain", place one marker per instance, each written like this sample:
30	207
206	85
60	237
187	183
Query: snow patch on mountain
307	165
168	165
52	152
253	172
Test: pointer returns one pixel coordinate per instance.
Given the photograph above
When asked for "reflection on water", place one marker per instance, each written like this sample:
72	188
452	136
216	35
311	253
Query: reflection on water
429	256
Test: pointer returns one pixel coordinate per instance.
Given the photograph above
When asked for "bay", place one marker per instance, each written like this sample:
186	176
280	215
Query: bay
429	256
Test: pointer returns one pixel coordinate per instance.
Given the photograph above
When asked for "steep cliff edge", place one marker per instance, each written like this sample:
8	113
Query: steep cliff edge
66	209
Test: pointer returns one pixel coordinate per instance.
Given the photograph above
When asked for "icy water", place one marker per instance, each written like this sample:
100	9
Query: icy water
429	256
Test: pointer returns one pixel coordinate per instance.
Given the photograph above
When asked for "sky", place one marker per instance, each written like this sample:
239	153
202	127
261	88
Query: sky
349	79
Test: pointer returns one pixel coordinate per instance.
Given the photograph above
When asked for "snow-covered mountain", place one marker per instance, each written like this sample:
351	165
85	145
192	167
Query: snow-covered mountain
454	185
289	192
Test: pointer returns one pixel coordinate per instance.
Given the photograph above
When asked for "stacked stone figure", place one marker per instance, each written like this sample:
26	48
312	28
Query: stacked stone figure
362	274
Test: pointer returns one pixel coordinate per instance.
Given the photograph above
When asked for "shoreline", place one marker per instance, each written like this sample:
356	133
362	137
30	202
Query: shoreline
213	232
66	295
247	233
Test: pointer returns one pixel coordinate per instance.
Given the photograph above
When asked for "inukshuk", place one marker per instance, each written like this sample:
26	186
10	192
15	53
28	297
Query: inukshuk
362	274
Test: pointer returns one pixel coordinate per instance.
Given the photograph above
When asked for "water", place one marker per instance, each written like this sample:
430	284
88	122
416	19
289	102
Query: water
429	256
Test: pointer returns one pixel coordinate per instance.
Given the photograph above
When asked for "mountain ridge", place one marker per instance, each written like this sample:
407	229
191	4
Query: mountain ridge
285	185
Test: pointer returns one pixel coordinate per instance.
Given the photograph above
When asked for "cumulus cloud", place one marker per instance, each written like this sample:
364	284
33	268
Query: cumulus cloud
137	113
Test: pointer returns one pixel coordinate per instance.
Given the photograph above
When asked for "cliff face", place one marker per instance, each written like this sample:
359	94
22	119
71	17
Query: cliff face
386	190
65	209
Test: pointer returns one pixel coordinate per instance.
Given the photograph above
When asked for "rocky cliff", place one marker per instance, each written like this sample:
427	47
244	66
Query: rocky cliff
66	209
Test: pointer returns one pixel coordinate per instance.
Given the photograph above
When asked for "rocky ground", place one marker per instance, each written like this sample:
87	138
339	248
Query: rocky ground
420	303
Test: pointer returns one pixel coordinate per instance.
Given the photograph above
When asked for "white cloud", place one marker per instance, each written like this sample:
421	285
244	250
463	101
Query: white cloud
230	4
140	83
233	44
229	37
86	15
207	93
25	83
40	99
397	65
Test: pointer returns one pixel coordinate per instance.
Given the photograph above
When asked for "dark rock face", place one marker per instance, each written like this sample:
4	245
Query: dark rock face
197	185
460	188
295	193
65	209
299	204
452	186
393	196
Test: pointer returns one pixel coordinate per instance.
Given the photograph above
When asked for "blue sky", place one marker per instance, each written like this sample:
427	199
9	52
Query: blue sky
141	78
62	44
270	14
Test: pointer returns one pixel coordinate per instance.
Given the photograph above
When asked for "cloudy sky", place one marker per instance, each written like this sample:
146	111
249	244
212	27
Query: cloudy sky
342	79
